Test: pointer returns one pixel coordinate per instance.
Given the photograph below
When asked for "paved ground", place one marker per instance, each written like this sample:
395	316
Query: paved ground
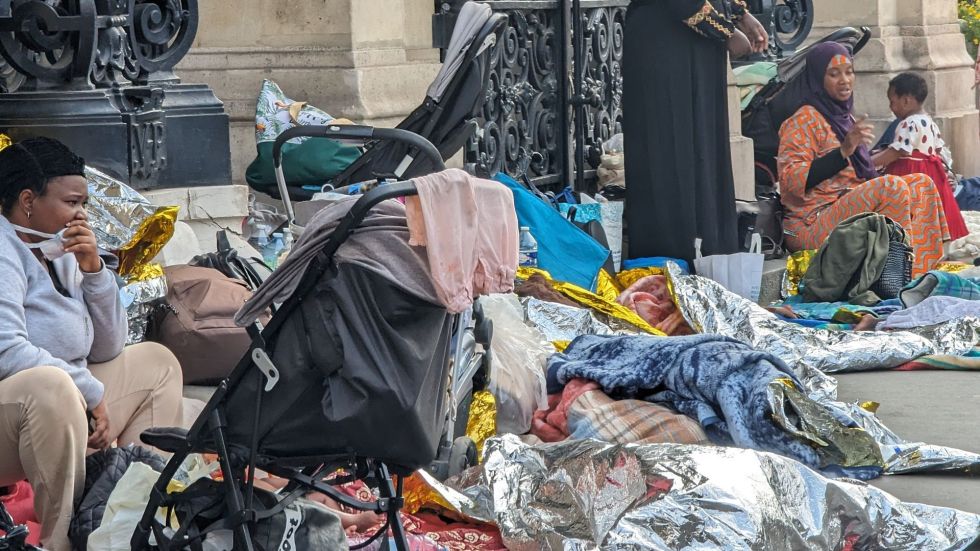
936	407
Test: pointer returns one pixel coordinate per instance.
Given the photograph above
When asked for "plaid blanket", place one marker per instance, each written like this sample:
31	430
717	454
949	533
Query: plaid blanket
969	362
940	284
719	381
583	411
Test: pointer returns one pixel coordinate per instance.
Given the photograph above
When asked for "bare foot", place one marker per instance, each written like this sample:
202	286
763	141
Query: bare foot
867	323
366	520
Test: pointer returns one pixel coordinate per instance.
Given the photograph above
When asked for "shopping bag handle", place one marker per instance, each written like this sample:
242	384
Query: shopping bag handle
697	247
755	246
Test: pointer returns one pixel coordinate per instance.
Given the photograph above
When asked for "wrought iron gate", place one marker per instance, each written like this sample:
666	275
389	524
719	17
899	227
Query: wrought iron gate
535	114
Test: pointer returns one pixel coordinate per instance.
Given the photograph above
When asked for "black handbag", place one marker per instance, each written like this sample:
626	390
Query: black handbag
897	271
764	216
227	261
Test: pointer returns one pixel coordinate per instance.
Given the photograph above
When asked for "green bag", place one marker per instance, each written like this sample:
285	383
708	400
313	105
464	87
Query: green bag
305	161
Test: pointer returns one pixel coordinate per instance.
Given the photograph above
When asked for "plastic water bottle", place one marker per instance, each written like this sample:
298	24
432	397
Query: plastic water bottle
287	242
270	253
260	237
528	249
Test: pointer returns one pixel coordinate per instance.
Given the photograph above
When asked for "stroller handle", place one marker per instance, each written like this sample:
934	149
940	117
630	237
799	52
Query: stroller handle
346	132
358	133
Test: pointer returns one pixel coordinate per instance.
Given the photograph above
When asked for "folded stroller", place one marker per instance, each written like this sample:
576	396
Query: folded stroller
446	116
352	375
779	99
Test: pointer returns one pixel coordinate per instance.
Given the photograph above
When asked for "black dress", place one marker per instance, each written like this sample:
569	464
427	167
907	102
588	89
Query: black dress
679	182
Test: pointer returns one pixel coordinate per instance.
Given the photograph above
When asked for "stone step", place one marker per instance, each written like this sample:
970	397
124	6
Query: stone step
203	212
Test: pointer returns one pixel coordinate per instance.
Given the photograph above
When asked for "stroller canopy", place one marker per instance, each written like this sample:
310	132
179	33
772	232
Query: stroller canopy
471	20
446	117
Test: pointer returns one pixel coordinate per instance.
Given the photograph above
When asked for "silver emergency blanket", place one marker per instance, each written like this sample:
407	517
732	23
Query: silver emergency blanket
559	322
710	308
115	210
587	495
140	298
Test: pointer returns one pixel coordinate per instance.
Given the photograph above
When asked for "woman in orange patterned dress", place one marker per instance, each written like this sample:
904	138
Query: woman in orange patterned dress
826	174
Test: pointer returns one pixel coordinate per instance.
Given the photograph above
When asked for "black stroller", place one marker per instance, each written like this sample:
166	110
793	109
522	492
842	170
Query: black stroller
779	99
446	116
351	375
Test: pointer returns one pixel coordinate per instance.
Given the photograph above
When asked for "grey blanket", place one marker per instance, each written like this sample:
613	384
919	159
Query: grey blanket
380	244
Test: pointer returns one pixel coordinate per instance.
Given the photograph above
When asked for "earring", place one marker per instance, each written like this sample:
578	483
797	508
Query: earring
28	215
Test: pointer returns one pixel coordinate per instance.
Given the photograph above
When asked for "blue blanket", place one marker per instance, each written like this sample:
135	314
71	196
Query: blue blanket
564	251
717	380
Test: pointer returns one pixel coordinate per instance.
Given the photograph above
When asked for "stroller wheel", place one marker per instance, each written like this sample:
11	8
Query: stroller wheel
483	332
462	456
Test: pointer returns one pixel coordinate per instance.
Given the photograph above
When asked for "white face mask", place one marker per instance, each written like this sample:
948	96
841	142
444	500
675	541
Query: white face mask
52	247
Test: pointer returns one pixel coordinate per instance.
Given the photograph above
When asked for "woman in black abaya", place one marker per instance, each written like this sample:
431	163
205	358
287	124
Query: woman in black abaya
679	183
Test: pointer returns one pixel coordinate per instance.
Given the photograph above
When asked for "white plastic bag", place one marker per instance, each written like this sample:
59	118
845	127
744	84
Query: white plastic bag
740	273
124	509
519	359
612	224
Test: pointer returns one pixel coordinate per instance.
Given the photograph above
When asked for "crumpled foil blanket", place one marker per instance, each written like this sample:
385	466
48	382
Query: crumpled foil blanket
710	308
587	495
563	323
126	223
140	298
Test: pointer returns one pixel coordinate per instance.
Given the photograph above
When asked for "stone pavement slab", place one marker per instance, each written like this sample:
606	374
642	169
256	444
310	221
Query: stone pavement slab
936	407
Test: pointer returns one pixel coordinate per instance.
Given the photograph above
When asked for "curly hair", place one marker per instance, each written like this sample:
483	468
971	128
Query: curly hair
910	84
31	164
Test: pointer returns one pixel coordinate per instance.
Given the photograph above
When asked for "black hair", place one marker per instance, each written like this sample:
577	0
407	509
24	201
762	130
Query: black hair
910	84
31	164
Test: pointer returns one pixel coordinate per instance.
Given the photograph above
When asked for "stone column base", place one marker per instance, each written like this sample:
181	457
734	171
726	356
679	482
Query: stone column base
962	131
743	168
919	36
743	155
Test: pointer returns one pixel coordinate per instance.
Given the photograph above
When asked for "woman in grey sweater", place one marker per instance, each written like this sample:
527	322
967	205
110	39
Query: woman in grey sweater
68	383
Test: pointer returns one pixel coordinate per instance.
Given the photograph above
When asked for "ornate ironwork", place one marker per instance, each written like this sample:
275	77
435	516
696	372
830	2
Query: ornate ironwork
602	78
522	122
97	73
528	124
78	44
789	22
147	132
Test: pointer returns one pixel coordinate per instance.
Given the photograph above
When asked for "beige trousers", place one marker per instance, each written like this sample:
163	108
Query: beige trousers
44	430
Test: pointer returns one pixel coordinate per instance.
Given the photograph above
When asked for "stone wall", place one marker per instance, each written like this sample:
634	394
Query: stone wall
367	60
922	36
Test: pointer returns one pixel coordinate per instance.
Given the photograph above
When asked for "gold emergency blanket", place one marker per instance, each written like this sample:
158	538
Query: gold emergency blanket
796	267
140	298
482	422
628	320
126	223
